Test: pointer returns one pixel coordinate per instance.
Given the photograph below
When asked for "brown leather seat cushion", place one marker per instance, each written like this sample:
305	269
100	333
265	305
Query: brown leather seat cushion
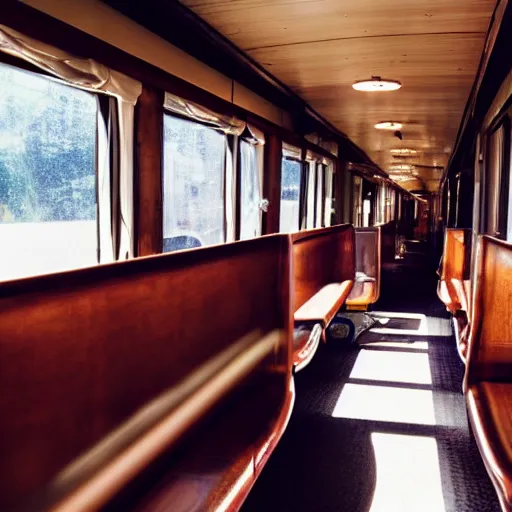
490	411
324	304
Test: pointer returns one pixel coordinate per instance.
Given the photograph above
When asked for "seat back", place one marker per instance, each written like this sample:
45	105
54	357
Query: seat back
490	340
321	257
367	265
82	352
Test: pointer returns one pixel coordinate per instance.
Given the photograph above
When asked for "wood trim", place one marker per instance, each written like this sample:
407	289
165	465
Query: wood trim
272	159
148	193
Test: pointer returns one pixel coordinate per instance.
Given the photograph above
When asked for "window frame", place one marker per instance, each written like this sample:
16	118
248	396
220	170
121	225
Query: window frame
229	178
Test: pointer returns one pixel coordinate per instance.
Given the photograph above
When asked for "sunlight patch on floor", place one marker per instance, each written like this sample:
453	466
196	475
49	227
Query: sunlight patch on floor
414	345
392	366
383	403
408	474
386	317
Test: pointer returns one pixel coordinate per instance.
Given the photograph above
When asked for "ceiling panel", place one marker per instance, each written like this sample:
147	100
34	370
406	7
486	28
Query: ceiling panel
320	47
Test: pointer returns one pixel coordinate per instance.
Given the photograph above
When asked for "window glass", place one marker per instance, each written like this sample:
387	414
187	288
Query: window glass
48	218
250	213
290	195
367	208
310	204
319	194
357	213
329	178
193	195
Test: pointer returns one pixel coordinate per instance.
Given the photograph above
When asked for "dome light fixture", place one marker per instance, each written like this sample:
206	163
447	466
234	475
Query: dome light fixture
389	125
403	152
375	84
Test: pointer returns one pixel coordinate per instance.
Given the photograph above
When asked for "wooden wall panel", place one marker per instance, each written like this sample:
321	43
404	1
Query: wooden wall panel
148	172
272	183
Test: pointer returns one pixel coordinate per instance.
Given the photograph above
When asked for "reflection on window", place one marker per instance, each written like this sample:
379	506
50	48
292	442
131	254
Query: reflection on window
193	208
329	179
357	213
47	175
290	193
310	205
250	213
319	194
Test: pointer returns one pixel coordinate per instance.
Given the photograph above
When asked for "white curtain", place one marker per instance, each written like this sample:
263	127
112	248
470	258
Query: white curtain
228	124
290	151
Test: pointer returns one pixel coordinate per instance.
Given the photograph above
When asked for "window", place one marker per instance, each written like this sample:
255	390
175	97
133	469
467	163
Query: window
250	191
357	213
497	181
193	188
290	195
311	195
319	217
329	189
48	208
367	209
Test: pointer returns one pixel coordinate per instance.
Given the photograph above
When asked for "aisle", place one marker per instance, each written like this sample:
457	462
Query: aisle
382	426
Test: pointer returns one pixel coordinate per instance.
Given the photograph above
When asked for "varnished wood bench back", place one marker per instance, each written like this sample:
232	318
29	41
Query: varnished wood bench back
456	245
367	262
82	351
321	257
490	344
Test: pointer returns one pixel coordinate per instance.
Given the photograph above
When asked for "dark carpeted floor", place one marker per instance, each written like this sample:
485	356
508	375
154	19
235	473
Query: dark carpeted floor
382	426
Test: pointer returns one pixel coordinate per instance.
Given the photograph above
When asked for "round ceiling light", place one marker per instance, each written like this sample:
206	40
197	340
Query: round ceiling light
389	125
403	151
376	83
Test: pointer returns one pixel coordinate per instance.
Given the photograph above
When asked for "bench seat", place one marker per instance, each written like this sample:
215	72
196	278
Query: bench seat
488	377
490	413
324	305
127	377
224	454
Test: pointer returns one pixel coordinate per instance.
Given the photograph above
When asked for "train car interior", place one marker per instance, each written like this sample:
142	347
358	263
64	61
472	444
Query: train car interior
256	255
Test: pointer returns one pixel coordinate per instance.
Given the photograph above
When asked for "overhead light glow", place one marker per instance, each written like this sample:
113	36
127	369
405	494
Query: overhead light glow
401	177
375	84
401	167
388	125
403	151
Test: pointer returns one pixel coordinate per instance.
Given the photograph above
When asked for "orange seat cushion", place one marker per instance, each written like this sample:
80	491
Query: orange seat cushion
490	411
362	294
324	304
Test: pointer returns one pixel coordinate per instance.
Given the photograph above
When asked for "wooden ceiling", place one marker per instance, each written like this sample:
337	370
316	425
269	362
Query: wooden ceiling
320	47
